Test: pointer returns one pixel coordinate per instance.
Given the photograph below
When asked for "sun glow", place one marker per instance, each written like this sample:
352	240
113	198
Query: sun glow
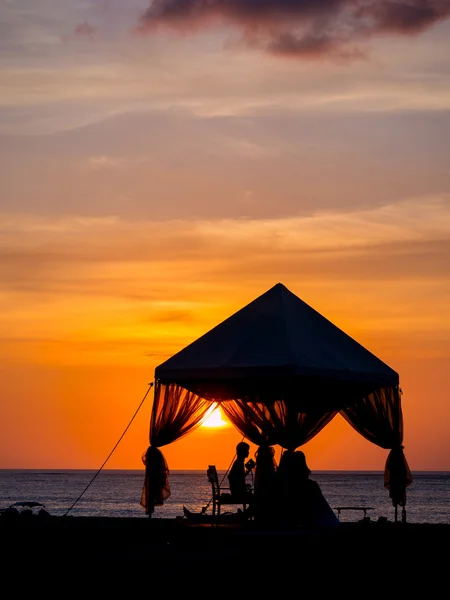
214	418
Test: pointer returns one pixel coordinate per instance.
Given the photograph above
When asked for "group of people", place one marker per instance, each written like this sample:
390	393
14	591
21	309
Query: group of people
283	494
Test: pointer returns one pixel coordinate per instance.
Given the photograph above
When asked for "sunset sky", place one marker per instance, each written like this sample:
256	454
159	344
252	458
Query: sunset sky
164	164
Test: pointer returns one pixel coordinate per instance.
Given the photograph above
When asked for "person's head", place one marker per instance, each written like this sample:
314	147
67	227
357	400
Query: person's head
294	462
301	465
242	450
265	455
287	461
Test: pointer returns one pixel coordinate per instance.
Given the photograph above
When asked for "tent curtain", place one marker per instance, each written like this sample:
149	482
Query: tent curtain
177	411
397	476
156	482
378	417
277	422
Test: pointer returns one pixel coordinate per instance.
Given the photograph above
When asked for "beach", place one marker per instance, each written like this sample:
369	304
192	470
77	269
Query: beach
96	555
84	540
96	547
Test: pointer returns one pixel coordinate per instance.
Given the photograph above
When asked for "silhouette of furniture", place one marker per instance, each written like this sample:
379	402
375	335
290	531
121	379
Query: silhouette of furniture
363	508
221	496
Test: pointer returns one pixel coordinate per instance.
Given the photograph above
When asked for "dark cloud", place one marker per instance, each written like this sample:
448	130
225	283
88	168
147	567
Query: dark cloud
85	30
304	28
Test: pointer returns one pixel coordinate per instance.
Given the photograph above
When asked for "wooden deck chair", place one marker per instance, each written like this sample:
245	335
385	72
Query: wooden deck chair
221	495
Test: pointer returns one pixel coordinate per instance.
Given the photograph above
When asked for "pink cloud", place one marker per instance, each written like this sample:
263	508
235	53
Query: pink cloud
303	28
85	30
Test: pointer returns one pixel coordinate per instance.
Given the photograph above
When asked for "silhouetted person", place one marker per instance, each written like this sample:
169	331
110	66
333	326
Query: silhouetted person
238	473
302	503
264	504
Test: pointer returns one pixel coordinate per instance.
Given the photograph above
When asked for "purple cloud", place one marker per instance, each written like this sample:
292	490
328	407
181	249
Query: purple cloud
85	30
303	28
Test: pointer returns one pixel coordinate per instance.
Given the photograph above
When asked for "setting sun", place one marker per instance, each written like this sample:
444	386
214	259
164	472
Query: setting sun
214	419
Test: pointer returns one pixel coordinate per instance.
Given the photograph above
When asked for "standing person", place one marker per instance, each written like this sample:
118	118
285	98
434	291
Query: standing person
305	505
265	482
238	472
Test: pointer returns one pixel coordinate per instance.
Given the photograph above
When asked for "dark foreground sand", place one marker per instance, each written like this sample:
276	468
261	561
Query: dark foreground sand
378	548
57	557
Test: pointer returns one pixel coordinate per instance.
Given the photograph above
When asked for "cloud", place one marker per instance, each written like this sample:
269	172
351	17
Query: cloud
105	163
35	245
85	30
299	28
78	288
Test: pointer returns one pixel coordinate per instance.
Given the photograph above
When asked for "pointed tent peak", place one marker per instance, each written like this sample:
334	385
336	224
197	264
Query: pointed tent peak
274	336
278	288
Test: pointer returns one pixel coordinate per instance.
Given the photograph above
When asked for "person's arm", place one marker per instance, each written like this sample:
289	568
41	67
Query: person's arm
249	466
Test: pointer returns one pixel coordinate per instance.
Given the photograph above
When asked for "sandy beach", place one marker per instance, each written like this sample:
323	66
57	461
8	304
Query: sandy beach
98	556
84	540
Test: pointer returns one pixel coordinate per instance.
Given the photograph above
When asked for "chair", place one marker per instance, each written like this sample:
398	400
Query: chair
221	495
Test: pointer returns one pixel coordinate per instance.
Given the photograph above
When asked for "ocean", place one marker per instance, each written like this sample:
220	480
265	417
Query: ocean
110	493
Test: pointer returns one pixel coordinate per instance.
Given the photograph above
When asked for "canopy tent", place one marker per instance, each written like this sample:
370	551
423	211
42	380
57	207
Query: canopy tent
280	372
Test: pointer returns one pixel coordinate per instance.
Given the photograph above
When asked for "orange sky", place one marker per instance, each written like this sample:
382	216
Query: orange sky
155	183
69	397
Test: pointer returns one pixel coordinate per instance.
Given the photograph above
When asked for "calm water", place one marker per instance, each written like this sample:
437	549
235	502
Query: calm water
117	493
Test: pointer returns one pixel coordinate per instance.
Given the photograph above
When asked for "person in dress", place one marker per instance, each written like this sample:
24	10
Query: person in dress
265	504
302	503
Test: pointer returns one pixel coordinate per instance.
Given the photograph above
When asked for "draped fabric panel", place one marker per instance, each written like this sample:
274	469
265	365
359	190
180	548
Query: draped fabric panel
175	413
379	418
156	487
278	422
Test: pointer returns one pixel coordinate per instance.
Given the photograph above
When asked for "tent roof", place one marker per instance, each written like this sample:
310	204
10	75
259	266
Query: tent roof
277	335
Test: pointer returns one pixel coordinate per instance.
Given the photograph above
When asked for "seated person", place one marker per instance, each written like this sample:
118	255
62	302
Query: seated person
237	476
303	501
265	503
